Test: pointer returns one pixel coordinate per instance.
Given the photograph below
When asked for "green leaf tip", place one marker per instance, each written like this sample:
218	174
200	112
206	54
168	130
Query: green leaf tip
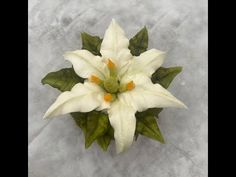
91	43
164	76
63	79
104	140
149	112
94	125
147	126
139	43
97	124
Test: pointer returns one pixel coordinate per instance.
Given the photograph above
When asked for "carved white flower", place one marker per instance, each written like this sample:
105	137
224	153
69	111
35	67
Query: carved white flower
117	82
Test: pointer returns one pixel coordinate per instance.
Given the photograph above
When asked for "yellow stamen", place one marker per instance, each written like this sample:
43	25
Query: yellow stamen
95	79
107	97
110	64
130	85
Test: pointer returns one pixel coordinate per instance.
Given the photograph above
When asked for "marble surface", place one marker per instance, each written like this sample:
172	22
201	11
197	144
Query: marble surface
56	146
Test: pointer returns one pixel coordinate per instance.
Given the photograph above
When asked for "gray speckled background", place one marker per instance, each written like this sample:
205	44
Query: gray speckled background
56	146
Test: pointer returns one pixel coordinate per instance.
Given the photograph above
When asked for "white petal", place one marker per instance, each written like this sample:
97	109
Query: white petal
147	63
82	98
115	45
139	79
122	119
86	64
148	95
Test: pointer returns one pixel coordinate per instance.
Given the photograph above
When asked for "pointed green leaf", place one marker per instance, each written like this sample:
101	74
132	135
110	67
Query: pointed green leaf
104	140
148	126
164	76
149	112
139	43
63	79
91	43
81	120
97	124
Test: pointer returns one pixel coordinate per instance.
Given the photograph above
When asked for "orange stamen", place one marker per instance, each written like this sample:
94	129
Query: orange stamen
110	64
95	79
130	85
107	97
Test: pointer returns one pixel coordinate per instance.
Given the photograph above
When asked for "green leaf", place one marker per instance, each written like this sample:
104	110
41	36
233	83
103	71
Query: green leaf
96	125
149	112
81	120
104	140
139	43
148	126
91	43
63	79
164	76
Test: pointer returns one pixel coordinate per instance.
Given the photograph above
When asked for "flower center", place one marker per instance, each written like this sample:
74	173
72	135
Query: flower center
111	84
